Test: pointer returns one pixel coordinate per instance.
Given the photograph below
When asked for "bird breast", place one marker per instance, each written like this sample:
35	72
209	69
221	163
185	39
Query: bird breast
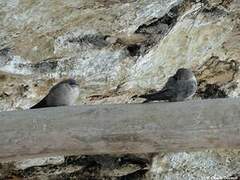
63	95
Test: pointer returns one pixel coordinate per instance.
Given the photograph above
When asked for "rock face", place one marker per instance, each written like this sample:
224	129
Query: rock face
117	49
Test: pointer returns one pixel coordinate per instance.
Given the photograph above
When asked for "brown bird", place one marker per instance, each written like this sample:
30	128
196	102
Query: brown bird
179	87
64	93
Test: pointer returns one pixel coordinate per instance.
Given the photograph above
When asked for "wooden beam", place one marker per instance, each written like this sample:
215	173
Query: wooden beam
125	128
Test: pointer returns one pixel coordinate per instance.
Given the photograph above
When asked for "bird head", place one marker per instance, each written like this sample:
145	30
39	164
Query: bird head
70	82
184	74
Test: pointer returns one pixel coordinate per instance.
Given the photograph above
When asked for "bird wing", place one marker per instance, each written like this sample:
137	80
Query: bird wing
166	93
187	88
41	104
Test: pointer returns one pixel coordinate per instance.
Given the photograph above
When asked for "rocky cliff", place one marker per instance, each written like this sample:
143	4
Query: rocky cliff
116	49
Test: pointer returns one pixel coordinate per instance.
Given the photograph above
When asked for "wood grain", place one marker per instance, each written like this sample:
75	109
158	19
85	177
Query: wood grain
124	128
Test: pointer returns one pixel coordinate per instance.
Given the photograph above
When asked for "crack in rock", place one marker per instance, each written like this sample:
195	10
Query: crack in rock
90	40
84	167
157	28
215	74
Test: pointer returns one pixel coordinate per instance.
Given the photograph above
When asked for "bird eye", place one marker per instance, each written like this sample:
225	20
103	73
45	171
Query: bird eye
72	82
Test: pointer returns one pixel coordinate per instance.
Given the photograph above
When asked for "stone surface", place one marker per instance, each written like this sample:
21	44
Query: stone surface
79	167
24	164
117	49
221	164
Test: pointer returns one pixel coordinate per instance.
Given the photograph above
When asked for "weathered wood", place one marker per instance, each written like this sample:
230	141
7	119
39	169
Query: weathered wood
126	128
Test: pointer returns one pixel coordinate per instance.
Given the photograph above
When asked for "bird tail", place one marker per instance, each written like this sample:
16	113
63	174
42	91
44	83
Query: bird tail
41	104
161	95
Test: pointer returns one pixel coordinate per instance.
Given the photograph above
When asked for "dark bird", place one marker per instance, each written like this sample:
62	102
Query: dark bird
64	93
179	87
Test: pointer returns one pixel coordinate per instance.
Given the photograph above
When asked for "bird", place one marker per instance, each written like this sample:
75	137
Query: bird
179	87
65	93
